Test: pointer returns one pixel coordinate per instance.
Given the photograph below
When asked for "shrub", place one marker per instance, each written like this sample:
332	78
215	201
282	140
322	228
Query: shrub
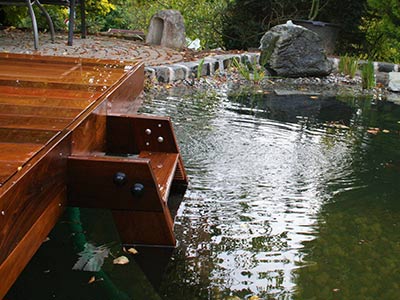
96	11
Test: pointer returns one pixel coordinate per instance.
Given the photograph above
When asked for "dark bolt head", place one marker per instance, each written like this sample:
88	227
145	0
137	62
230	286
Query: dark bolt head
119	179
137	190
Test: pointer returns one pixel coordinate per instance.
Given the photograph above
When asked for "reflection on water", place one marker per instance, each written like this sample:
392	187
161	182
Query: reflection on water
289	198
278	188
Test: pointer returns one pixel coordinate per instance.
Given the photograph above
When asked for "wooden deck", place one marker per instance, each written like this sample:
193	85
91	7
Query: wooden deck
69	136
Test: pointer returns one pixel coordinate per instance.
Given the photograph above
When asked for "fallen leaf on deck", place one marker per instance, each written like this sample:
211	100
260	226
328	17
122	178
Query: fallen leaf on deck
122	260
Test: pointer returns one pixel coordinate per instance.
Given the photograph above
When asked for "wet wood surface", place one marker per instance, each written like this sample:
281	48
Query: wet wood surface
50	109
43	95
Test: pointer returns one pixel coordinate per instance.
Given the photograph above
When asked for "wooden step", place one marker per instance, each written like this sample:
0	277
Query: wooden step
163	165
86	174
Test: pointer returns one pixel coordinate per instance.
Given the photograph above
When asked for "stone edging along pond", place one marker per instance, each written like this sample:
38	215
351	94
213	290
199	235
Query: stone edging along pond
187	70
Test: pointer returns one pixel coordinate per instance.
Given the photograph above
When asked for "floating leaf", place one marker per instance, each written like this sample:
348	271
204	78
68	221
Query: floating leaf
92	279
91	258
133	251
337	125
340	126
373	130
122	260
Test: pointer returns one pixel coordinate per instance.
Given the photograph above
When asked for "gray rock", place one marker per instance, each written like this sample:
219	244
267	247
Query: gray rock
163	73
167	29
382	78
293	51
394	81
385	67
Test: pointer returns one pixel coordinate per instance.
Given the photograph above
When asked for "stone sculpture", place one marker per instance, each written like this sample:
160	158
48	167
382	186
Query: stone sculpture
167	29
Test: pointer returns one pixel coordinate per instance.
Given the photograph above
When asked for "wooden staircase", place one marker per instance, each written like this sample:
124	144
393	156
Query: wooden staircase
133	178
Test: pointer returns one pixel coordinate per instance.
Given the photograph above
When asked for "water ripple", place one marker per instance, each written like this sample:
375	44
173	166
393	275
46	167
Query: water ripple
256	186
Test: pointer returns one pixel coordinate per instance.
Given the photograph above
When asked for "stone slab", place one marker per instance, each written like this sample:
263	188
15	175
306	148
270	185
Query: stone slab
394	81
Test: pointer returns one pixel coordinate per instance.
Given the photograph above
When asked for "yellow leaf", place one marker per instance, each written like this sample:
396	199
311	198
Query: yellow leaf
254	297
314	97
385	131
340	126
122	260
372	131
92	279
133	251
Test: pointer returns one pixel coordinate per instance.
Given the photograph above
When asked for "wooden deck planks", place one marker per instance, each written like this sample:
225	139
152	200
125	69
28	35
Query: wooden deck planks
29	136
39	111
50	108
44	101
31	122
13	90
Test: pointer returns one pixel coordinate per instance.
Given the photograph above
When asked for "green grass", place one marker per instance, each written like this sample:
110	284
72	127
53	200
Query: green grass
348	65
368	75
249	71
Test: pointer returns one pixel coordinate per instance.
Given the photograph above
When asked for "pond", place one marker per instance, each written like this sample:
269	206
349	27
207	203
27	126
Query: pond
294	197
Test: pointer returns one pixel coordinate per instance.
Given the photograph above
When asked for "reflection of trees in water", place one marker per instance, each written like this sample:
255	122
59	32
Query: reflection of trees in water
355	254
289	108
217	259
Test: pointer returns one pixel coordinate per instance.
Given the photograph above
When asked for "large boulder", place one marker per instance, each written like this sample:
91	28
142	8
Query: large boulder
290	50
167	29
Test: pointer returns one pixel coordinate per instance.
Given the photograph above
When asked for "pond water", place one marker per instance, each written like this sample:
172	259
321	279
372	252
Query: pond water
290	198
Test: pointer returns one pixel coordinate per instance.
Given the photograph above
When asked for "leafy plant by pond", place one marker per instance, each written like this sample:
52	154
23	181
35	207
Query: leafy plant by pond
368	75
348	65
250	71
200	69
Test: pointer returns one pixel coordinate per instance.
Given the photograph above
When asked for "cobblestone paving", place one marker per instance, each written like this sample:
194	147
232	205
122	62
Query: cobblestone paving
16	41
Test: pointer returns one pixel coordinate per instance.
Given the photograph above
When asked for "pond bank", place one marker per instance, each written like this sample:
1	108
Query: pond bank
217	72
